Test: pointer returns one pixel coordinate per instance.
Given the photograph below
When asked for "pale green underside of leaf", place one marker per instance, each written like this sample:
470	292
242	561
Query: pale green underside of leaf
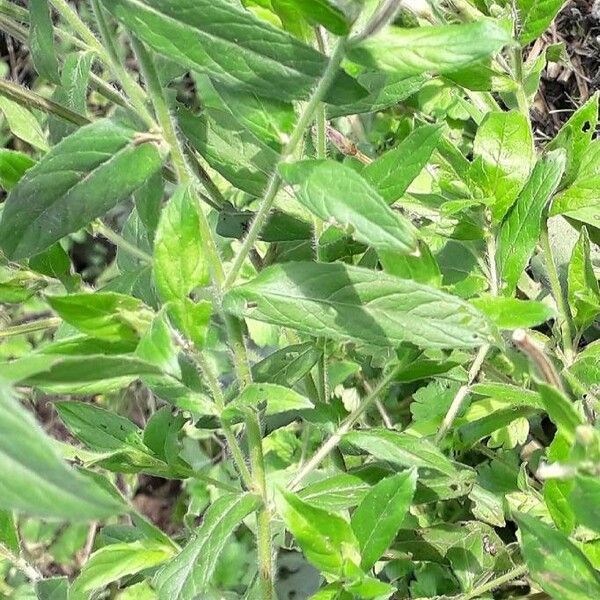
78	180
350	303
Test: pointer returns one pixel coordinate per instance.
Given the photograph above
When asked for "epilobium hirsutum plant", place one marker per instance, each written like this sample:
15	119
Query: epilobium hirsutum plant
346	346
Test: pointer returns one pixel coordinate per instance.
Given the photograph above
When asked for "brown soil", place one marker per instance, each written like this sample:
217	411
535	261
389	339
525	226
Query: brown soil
565	87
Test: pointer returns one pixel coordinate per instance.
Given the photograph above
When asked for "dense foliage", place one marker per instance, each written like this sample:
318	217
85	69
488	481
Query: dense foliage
296	304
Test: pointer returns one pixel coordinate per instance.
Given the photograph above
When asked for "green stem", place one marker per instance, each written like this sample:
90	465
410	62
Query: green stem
564	314
480	590
263	534
12	10
120	242
21	33
217	394
522	102
112	58
30	99
163	114
344	428
218	201
41	325
275	181
20	563
463	391
185	176
79	27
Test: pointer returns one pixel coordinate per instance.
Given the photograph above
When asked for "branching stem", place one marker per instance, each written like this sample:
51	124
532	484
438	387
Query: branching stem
275	182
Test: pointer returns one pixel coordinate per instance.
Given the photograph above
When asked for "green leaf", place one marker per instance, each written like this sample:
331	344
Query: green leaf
219	39
179	262
403	449
280	226
511	313
394	171
78	180
287	366
99	429
508	393
72	93
41	41
561	412
114	561
504	156
535	16
148	203
334	15
422	268
326	539
161	434
337	492
352	303
278	399
105	315
580	200
189	574
575	137
584	292
191	318
13	166
271	120
431	49
9	536
521	229
23	124
53	588
559	567
33	478
384	90
229	148
53	262
585	501
475	430
337	194
85	374
380	514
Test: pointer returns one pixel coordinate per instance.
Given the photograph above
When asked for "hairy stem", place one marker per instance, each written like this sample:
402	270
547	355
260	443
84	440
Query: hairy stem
120	242
20	563
463	391
263	534
217	394
344	428
483	589
131	87
40	325
30	99
275	182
